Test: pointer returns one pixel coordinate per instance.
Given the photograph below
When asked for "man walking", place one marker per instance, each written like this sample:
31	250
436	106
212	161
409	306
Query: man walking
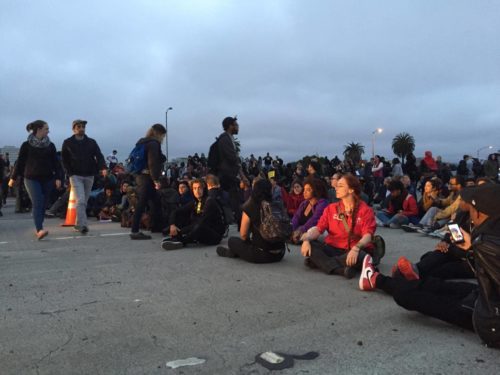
229	167
82	160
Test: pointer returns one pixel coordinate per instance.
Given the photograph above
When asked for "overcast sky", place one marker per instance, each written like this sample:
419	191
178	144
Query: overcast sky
304	77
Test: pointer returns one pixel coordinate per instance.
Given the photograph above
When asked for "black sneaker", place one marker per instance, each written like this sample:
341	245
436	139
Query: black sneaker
85	229
172	245
349	272
309	263
139	236
225	252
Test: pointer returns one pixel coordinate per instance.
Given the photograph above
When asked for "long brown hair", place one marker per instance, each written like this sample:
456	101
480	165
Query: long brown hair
353	184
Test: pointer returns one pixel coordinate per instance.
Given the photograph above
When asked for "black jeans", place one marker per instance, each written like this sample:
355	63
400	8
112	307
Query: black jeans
332	260
444	300
247	251
201	233
450	265
146	196
231	185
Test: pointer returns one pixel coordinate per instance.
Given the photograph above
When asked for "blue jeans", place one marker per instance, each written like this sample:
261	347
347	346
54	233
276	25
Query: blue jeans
39	192
396	219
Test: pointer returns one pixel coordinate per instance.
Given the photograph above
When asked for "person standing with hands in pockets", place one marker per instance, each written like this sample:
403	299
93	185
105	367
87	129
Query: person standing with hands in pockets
148	182
82	160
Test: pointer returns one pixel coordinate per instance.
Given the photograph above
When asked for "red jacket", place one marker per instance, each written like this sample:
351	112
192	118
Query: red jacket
337	235
292	201
409	207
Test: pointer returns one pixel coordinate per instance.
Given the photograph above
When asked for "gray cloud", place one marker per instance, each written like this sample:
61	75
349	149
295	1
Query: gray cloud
303	78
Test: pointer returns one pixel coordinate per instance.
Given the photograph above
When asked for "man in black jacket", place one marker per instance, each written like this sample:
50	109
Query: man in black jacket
470	306
201	220
82	160
229	169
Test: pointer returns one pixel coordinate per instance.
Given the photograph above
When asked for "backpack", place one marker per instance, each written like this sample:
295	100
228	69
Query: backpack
213	158
274	223
136	161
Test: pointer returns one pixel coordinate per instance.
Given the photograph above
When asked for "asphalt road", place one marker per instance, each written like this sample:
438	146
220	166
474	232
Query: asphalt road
103	304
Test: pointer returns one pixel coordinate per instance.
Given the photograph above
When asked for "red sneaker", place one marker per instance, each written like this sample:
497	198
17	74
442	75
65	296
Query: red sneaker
368	275
407	269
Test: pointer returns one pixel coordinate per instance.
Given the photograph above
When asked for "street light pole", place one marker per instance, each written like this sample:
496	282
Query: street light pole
166	135
376	131
481	149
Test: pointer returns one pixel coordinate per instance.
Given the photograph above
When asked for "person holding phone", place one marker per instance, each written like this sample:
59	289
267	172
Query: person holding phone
467	305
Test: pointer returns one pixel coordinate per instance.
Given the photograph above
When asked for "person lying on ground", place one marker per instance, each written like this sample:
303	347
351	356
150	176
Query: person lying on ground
470	306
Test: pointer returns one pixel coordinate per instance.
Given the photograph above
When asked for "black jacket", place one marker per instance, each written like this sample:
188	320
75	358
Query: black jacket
82	158
210	215
230	163
154	157
486	249
37	163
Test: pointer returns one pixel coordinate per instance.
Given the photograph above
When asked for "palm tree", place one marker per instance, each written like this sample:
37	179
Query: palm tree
353	152
403	144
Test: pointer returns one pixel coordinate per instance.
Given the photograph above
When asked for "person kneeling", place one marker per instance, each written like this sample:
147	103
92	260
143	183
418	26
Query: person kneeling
250	246
199	221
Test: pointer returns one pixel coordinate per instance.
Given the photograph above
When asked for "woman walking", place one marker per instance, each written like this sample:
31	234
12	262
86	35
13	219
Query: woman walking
38	164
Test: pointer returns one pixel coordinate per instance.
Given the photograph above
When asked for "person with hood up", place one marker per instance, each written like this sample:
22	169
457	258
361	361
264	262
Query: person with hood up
428	165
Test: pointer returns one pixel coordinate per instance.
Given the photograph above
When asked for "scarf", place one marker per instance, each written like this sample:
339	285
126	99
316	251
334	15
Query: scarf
38	143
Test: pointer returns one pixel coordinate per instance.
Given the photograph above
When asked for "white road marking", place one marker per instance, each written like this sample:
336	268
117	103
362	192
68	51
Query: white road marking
185	362
77	237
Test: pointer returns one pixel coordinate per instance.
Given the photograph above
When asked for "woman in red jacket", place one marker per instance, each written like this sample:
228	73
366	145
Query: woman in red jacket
350	224
402	208
294	198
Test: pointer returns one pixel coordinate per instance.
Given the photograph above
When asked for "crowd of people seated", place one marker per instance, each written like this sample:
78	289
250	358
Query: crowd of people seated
339	200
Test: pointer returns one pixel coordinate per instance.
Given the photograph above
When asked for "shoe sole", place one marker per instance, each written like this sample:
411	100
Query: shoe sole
406	269
168	246
408	229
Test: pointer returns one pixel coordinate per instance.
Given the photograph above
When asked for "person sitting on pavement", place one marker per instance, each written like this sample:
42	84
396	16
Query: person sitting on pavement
332	195
294	198
185	195
250	245
350	225
430	196
402	207
201	221
467	305
435	217
311	209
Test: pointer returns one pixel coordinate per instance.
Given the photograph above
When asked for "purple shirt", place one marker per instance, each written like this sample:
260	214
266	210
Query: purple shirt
317	211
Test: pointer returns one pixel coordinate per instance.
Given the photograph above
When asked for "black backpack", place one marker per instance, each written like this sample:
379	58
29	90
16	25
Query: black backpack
274	223
213	158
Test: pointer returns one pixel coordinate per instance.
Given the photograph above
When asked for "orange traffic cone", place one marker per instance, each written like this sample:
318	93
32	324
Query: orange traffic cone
71	211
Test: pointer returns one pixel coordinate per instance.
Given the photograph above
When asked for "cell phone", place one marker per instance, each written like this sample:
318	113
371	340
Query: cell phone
456	233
